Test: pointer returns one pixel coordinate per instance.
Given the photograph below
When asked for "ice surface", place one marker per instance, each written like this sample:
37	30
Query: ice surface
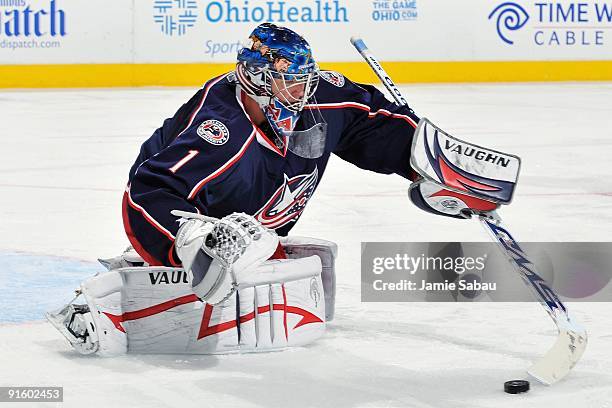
32	284
64	161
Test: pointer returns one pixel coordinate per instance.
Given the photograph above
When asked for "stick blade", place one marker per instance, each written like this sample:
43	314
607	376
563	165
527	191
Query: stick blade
561	358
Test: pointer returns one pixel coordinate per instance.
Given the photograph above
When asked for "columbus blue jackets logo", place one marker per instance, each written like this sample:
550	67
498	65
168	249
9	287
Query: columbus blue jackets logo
333	78
288	201
213	131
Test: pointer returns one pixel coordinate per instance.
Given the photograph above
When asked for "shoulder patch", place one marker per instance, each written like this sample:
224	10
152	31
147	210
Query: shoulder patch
334	78
231	78
214	132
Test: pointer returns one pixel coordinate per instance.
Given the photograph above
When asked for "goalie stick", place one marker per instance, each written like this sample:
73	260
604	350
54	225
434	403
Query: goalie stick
572	338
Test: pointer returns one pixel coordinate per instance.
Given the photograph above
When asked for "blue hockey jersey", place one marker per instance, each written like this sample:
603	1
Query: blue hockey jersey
212	159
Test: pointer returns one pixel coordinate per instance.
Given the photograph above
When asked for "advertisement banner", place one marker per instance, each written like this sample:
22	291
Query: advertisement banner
58	43
184	31
65	31
476	30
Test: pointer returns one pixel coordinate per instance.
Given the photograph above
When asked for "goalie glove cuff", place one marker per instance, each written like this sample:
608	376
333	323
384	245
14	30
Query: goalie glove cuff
435	199
218	253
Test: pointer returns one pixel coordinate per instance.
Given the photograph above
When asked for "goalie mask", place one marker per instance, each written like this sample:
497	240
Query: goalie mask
279	72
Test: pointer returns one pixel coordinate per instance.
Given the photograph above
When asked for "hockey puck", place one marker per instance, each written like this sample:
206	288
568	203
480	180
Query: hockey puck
516	386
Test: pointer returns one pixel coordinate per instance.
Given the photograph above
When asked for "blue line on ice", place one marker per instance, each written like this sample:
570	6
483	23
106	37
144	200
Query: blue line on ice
31	285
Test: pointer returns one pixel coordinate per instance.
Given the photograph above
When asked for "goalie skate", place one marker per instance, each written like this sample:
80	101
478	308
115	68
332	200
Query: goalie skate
76	325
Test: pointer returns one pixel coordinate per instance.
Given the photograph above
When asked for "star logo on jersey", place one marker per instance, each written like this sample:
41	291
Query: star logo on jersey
214	132
288	201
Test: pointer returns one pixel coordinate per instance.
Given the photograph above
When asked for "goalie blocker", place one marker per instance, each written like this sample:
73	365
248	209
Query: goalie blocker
143	309
459	179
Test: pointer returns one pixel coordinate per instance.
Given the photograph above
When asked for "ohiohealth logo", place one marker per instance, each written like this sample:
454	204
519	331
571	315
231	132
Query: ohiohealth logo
175	16
318	11
510	17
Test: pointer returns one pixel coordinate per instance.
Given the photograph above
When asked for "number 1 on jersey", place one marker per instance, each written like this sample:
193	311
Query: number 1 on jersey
184	160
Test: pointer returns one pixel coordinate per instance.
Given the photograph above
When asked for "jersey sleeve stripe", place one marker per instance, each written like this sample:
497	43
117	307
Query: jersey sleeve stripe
171	256
148	217
223	168
385	112
356	105
211	83
339	105
148	258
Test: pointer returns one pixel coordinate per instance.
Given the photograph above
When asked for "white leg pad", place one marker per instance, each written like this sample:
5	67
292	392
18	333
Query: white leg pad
327	251
154	310
278	316
262	317
103	296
